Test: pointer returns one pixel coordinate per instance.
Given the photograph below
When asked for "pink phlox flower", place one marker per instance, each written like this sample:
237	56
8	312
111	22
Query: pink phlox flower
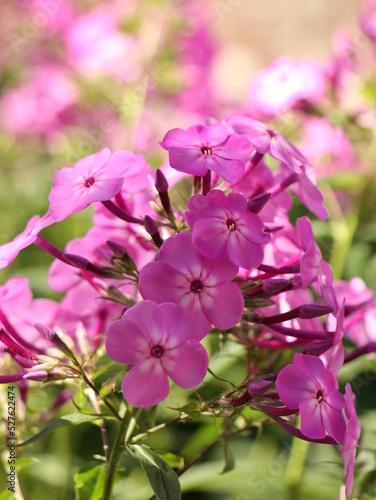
37	108
314	269
266	140
96	177
83	309
259	179
306	188
199	149
15	295
327	147
350	439
360	320
9	251
223	226
284	84
333	357
368	19
203	286
95	46
159	340
37	311
308	386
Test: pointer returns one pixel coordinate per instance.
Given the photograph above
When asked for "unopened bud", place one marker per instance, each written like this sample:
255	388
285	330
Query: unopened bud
118	250
274	286
151	227
310	311
38	376
161	183
76	261
259	387
257	203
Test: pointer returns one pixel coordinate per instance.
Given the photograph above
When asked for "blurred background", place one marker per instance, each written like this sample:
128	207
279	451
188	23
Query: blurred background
78	76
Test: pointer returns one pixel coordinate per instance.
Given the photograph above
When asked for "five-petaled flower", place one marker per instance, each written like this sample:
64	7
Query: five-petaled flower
199	149
224	226
183	276
96	177
159	341
309	387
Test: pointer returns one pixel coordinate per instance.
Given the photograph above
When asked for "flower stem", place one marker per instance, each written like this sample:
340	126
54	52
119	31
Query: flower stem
116	453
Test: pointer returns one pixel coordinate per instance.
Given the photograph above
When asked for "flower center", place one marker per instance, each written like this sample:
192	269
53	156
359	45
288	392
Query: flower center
89	182
196	286
231	224
319	395
206	151
157	351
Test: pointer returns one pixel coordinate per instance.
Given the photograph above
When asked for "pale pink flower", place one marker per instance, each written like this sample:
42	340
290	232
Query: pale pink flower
96	177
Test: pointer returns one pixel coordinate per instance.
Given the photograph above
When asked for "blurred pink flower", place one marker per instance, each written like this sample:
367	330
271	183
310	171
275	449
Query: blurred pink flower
327	147
285	83
35	107
160	341
95	46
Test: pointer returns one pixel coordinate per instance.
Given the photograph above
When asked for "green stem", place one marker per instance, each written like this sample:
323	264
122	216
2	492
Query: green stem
117	451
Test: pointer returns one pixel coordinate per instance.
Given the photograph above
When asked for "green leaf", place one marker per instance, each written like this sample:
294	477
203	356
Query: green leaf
119	380
162	478
74	418
229	458
190	409
89	482
173	460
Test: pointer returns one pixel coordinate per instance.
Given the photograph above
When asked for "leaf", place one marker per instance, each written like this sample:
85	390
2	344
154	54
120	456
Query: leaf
190	409
162	478
89	482
119	380
229	458
74	418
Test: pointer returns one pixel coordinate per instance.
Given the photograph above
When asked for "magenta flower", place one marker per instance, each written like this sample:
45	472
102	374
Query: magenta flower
202	286
313	267
223	226
96	177
266	140
159	341
351	438
199	149
308	386
9	251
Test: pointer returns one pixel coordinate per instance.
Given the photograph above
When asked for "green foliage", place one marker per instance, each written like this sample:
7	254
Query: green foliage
162	478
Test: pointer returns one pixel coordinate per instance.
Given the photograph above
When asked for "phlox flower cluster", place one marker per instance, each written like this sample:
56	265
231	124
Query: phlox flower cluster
157	279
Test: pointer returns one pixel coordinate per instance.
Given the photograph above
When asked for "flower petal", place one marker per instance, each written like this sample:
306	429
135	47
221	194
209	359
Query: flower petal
187	364
311	423
146	384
